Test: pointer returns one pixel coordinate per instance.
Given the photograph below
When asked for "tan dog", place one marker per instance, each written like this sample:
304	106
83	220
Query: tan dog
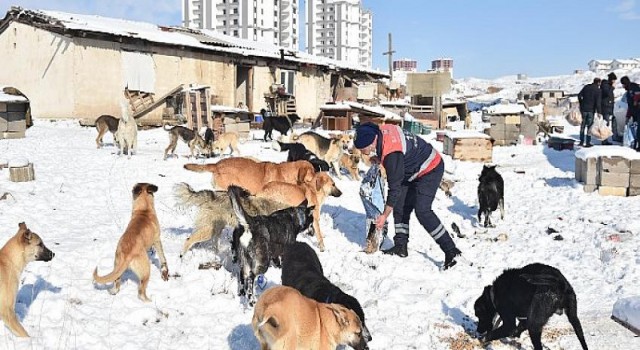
315	192
329	150
224	141
142	233
127	133
25	246
285	319
350	162
106	123
252	175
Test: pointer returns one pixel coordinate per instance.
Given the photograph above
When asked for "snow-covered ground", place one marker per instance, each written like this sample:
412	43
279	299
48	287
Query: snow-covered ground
80	204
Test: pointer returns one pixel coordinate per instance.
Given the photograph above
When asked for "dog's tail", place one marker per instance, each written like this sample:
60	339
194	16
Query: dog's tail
187	197
165	127
113	275
282	146
235	193
571	309
200	167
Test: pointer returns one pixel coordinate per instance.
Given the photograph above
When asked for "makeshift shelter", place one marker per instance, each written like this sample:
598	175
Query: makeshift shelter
15	113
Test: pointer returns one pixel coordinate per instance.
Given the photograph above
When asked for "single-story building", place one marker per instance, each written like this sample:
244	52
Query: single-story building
78	66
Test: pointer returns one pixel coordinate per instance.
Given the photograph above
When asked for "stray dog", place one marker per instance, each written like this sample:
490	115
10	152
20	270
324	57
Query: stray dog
285	319
190	137
262	238
253	175
490	194
127	133
215	211
24	247
329	150
302	270
545	127
446	186
106	123
350	162
531	294
142	233
297	151
280	123
224	141
314	192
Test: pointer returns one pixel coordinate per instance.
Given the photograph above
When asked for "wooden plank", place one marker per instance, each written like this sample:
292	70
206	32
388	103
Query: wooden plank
198	110
626	325
159	101
187	105
612	191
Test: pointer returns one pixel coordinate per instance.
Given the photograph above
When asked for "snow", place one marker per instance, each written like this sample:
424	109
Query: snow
80	204
607	151
4	97
17	162
628	310
466	134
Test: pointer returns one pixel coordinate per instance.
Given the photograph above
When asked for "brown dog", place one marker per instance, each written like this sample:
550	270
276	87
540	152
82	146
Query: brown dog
350	162
330	150
252	175
285	319
106	123
224	141
25	246
142	233
315	192
190	137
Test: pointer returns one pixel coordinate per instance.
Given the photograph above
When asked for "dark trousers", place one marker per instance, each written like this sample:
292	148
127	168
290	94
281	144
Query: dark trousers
587	122
418	195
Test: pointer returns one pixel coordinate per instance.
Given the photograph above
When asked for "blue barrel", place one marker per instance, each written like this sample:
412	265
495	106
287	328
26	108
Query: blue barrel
258	118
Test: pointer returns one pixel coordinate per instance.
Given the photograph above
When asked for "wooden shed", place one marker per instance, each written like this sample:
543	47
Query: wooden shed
341	116
15	113
468	145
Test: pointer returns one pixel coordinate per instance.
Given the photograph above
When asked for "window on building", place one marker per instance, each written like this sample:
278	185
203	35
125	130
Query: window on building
287	78
294	21
322	50
294	30
224	23
321	42
275	13
235	10
275	24
235	33
275	34
235	22
224	12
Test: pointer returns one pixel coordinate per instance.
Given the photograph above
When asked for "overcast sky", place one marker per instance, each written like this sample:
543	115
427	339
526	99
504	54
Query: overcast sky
486	39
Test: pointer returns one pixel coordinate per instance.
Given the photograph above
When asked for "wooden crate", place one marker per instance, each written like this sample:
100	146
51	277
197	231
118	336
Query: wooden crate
634	166
478	149
612	191
587	171
22	174
337	123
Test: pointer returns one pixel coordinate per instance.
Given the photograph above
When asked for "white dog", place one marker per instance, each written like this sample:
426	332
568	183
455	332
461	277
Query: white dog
127	133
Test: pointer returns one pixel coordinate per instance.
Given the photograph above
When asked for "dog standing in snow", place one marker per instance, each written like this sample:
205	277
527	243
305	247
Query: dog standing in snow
127	133
490	194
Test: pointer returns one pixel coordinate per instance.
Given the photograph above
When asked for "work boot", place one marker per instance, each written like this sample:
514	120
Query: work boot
399	249
450	258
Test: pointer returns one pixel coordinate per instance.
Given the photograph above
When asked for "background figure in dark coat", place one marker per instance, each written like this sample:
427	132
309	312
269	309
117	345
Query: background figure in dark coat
633	106
590	103
606	90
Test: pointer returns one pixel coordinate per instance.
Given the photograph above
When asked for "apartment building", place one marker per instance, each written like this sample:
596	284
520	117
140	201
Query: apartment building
406	65
272	21
339	29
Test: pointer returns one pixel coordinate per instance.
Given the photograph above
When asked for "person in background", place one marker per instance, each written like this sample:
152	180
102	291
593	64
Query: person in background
414	170
606	90
589	99
633	106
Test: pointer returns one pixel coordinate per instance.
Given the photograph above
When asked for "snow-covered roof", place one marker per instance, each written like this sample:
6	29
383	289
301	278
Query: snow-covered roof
602	61
350	105
507	108
466	134
626	61
179	36
5	97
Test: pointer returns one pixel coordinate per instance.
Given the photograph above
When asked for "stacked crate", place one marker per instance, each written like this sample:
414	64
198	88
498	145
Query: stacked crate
610	175
468	146
587	172
634	177
506	129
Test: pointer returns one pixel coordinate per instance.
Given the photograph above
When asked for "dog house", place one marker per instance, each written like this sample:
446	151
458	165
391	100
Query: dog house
612	170
15	113
468	145
341	116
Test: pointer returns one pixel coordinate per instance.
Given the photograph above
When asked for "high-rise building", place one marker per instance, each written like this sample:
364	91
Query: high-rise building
405	65
339	29
273	21
442	65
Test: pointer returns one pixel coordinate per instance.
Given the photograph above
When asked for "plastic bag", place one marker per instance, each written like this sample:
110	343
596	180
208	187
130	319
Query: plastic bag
630	131
599	129
574	117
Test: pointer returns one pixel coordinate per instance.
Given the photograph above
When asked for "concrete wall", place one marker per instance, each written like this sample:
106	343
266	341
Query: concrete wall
428	84
313	89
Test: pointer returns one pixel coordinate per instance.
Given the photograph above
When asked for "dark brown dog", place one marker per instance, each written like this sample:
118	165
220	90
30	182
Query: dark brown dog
106	123
253	175
25	246
142	233
190	137
285	319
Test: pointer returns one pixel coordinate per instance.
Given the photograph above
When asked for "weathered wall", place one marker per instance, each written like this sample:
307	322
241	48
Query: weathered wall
313	89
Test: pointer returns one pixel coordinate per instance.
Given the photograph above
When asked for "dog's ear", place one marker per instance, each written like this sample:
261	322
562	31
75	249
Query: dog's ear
22	226
305	174
26	235
151	189
340	313
320	181
137	189
305	203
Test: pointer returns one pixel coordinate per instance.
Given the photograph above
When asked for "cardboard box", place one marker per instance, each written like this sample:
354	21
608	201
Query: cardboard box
614	179
612	191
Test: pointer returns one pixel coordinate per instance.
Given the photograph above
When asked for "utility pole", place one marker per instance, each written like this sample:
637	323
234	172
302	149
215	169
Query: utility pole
390	53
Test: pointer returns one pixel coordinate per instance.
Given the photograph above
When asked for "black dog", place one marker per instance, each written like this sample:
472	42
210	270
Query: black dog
297	151
530	294
260	239
209	138
282	124
301	269
490	194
